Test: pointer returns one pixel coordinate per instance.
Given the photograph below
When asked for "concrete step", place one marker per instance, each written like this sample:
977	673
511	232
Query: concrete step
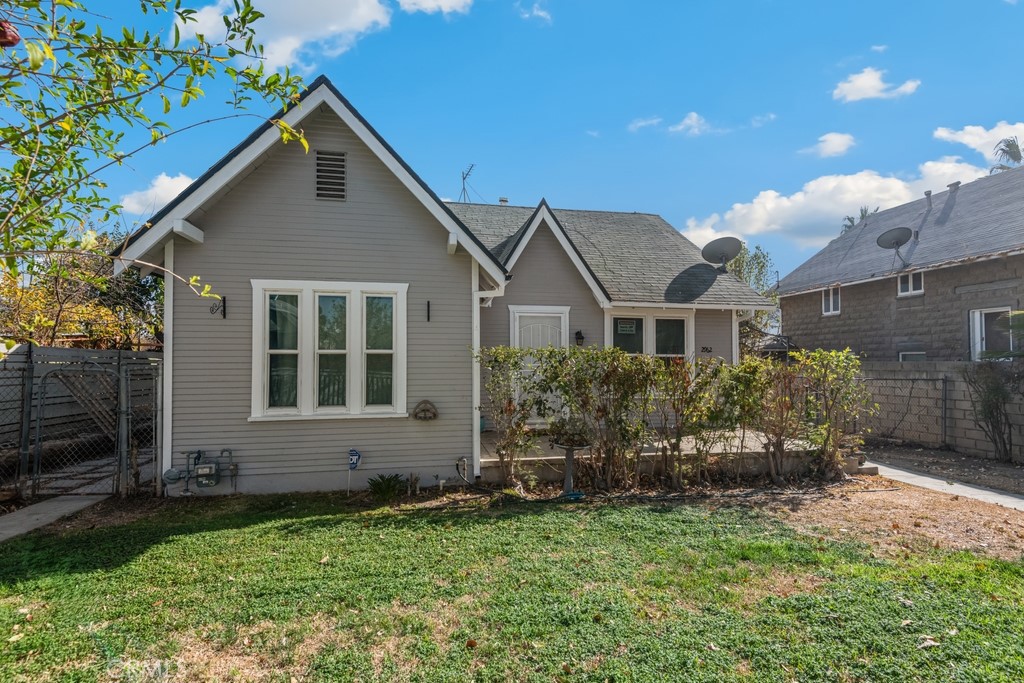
868	469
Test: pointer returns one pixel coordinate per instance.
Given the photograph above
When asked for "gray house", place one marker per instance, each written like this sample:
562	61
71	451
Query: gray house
353	296
946	295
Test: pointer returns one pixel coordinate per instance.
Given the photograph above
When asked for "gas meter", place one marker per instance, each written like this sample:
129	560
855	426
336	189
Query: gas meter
207	474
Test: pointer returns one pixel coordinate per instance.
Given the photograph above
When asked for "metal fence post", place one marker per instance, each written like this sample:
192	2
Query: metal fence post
25	437
122	425
945	412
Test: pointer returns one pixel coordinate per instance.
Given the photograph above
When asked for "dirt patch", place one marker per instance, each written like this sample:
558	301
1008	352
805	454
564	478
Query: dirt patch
969	469
260	652
896	518
779	584
115	512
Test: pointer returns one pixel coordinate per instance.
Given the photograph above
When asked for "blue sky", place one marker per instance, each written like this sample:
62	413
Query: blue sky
766	119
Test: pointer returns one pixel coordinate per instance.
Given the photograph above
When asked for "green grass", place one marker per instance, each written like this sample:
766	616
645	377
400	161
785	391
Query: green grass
240	587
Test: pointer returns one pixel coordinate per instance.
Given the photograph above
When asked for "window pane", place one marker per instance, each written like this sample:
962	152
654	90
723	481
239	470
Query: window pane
284	321
332	325
331	379
379	322
835	299
379	376
628	334
997	332
284	381
918	279
669	337
904	284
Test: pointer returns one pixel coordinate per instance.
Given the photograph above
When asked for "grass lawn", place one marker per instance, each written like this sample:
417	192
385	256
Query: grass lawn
308	588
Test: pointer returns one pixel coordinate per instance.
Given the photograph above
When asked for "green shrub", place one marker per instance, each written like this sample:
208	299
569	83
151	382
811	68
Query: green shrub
385	488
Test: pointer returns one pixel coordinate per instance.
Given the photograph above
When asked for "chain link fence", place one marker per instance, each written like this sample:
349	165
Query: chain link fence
911	409
76	421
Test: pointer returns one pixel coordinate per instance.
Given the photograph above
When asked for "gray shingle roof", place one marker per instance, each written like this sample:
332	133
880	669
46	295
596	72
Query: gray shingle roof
634	256
979	219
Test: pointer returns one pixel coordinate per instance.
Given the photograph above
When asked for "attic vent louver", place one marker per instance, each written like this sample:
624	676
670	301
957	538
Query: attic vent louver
330	175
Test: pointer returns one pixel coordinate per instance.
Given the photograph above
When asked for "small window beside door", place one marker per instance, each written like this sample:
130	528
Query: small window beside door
628	334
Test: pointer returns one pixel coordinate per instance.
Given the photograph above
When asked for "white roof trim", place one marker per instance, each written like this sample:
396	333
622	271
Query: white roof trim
700	307
963	261
235	166
544	215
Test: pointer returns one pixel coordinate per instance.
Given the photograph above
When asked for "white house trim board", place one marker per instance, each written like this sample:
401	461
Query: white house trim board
187	230
515	311
695	307
167	387
307	292
322	95
544	216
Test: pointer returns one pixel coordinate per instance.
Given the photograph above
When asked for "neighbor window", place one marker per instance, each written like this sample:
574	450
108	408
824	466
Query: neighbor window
830	301
910	283
328	349
990	332
912	356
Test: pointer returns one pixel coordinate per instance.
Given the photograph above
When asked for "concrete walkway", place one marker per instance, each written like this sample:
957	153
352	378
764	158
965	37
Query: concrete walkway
42	513
925	481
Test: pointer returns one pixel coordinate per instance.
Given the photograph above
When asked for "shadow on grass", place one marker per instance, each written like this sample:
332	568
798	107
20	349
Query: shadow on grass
64	553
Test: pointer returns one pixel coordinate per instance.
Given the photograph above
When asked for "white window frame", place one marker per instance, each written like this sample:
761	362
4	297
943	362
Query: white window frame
910	284
826	296
904	354
977	327
515	311
307	292
649	317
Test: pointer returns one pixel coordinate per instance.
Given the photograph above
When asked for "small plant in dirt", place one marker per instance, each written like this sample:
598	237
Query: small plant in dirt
510	404
780	414
385	488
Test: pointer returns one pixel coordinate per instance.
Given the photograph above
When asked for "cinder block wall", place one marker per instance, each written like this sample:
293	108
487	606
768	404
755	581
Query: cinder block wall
878	325
910	402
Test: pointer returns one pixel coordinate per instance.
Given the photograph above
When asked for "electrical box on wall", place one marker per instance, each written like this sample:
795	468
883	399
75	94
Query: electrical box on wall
207	474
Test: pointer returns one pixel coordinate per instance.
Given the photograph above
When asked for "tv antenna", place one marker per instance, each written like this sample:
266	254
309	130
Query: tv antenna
894	239
721	251
464	195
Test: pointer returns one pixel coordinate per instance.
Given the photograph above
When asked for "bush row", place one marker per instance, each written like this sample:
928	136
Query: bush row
619	404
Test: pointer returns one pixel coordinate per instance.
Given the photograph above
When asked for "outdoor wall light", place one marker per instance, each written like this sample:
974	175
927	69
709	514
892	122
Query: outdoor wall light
579	337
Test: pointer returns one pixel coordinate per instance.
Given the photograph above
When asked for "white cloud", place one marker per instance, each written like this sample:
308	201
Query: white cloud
594	133
692	124
811	216
535	12
161	190
432	6
762	119
879	48
637	124
982	140
868	85
295	34
832	145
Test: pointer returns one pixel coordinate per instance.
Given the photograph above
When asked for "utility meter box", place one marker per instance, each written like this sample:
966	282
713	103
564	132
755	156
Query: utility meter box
207	474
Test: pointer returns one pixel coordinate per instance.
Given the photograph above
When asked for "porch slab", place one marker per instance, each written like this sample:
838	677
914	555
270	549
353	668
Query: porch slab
44	512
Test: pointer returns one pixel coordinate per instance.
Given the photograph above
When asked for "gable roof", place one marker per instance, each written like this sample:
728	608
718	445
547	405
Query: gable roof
978	220
633	257
235	163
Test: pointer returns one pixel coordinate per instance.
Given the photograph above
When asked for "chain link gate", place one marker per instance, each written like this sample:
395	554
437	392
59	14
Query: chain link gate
78	421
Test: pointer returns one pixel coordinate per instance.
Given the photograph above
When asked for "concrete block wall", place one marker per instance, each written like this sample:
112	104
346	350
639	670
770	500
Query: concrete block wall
911	408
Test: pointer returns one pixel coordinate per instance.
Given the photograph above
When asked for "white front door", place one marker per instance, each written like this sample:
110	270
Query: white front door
537	327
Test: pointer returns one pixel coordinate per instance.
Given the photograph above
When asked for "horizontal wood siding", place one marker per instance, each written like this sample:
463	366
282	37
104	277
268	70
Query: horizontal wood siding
270	226
713	330
544	276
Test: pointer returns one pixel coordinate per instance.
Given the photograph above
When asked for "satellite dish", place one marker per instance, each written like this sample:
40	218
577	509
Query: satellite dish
721	251
894	239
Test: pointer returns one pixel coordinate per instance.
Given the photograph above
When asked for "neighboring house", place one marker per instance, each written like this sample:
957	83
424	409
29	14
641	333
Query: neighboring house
352	294
947	295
